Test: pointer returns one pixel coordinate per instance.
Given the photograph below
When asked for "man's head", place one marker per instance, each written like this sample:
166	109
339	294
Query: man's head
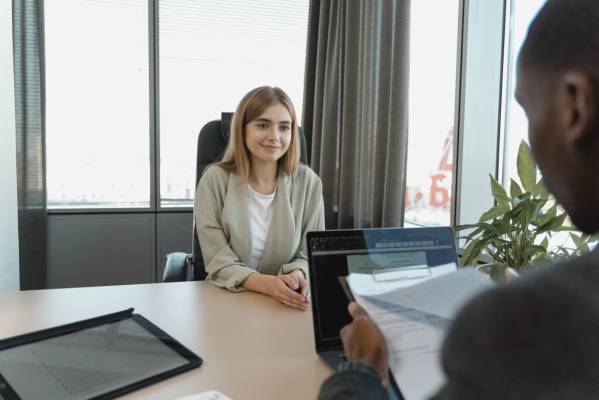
558	86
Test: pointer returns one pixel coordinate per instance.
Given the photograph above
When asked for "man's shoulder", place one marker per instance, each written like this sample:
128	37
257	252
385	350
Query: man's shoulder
548	284
574	273
522	326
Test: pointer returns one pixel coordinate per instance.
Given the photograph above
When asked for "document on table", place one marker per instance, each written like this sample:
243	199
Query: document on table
414	316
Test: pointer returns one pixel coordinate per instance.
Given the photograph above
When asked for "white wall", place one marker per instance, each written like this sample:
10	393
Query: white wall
9	240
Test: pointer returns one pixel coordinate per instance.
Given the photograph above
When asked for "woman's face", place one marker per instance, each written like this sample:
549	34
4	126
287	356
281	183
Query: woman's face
268	136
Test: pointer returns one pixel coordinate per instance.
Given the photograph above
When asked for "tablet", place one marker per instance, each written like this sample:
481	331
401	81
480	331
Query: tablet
99	358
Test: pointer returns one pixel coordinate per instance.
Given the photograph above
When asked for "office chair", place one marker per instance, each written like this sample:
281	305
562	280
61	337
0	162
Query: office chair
212	142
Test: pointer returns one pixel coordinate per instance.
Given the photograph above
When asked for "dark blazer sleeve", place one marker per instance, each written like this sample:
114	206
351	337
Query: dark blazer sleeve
533	338
352	385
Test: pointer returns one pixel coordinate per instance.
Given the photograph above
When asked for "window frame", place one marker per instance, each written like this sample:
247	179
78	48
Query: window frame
509	79
154	135
155	204
463	209
478	145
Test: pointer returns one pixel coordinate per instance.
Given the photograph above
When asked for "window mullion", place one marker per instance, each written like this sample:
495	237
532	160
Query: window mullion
154	105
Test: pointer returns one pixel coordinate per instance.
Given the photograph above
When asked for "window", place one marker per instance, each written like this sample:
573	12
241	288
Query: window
211	53
516	124
522	12
97	83
433	52
97	101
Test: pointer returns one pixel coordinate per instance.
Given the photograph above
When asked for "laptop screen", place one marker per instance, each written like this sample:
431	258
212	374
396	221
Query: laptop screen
333	254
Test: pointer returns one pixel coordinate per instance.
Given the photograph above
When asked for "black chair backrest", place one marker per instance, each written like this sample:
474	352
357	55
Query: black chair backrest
212	142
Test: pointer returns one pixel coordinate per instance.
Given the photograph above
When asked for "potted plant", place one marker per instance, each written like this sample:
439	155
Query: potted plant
516	231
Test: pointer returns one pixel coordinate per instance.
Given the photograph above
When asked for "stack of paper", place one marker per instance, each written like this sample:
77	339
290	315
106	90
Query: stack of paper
414	314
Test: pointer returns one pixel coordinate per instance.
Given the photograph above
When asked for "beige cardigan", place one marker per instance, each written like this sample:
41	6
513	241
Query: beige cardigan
223	226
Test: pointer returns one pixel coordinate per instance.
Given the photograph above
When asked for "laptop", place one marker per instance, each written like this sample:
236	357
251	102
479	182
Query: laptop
336	253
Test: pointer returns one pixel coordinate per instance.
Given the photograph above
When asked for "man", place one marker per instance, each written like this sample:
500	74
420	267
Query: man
536	337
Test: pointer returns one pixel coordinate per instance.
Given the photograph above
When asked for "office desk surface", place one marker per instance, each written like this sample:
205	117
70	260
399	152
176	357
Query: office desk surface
252	346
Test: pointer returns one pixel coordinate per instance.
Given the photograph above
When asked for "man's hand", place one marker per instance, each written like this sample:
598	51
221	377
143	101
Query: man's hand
364	343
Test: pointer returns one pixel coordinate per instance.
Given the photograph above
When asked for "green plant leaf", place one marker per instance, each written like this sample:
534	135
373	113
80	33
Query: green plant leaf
472	251
576	239
515	189
495	250
491	231
527	169
474	233
498	272
499	192
550	214
502	227
541	190
539	249
529	209
494	212
564	228
517	230
554	224
545	243
464	227
517	210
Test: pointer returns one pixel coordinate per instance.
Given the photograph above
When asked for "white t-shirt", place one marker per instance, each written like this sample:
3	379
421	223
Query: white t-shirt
260	211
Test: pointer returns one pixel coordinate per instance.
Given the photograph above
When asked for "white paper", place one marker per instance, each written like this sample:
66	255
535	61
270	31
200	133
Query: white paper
365	263
414	319
383	282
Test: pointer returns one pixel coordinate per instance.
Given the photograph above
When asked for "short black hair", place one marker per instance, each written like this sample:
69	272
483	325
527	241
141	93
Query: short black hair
563	35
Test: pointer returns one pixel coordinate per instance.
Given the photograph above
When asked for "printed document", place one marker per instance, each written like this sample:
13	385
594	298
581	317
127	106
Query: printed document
413	314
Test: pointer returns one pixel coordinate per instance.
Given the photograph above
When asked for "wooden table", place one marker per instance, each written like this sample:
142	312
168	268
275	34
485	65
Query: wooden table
252	346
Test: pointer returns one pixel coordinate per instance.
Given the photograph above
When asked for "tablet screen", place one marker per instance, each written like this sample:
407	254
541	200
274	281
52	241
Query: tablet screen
87	363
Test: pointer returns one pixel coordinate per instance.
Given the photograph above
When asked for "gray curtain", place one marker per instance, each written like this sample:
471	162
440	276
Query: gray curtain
356	108
28	36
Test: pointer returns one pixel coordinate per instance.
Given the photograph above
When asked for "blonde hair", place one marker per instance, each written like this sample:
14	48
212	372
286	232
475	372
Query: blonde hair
237	157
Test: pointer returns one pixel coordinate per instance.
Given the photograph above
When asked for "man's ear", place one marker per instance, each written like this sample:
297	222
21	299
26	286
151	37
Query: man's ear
580	106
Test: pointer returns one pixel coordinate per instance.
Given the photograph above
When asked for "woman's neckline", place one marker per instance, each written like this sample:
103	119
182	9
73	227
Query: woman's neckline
262	194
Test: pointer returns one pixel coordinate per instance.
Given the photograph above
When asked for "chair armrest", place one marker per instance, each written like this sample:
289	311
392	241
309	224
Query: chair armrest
176	267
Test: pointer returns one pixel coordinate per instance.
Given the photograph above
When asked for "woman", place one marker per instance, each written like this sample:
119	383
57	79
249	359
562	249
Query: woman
254	208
